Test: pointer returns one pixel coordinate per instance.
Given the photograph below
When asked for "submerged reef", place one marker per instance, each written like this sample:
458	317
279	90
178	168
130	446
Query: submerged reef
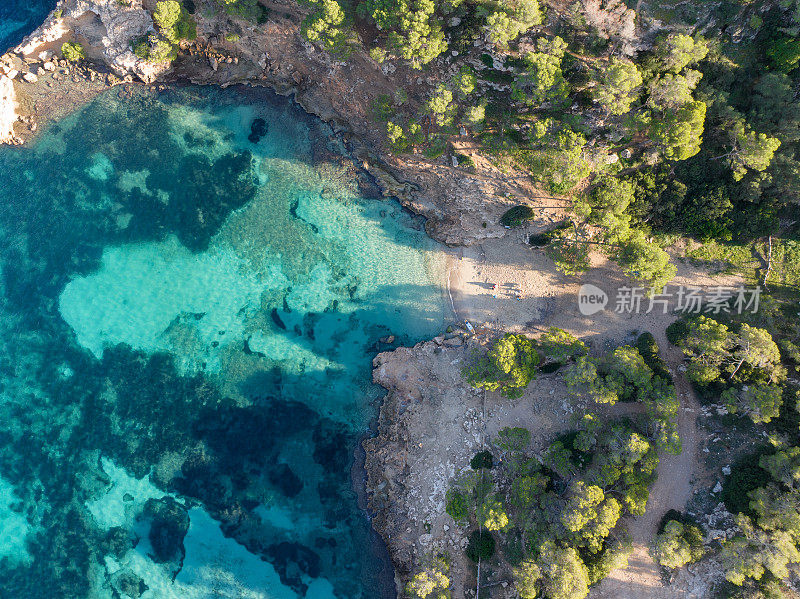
186	323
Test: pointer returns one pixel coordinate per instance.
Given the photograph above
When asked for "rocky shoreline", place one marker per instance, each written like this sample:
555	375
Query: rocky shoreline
461	207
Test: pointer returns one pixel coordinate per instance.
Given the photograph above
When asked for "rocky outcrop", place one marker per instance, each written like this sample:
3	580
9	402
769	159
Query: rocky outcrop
8	110
108	28
427	432
48	33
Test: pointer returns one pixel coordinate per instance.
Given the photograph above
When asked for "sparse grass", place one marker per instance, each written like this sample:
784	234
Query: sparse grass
732	258
785	263
739	259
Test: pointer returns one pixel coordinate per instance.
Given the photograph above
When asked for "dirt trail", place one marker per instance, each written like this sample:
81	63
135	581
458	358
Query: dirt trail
641	579
532	296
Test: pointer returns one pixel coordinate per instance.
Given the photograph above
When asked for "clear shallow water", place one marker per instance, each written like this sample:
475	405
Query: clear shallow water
187	321
19	17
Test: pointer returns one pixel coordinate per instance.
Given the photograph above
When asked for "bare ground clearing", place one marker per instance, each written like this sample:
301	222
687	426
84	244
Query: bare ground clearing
432	422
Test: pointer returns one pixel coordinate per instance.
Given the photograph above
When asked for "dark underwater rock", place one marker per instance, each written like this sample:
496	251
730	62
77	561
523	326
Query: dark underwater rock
285	480
292	561
277	319
128	584
168	527
331	447
258	129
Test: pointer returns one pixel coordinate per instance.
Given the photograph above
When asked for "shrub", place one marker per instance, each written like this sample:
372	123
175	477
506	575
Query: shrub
377	54
481	545
516	216
613	556
677	332
437	147
491	514
141	48
570	256
482	459
679	544
513	439
465	161
249	10
648	348
559	345
431	582
509	366
174	22
72	51
326	26
746	475
457	505
539	239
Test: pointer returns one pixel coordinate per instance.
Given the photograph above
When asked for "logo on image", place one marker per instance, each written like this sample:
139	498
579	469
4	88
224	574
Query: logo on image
591	299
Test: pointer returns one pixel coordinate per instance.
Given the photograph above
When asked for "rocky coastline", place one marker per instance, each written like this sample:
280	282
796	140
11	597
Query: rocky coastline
37	87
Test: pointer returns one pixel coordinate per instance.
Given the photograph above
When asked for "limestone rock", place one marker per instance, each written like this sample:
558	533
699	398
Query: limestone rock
30	78
109	28
8	109
50	32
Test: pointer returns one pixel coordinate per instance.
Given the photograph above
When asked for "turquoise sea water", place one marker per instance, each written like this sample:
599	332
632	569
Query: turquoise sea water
19	17
187	321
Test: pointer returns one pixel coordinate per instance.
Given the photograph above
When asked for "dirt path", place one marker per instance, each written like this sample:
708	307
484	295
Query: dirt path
641	579
549	299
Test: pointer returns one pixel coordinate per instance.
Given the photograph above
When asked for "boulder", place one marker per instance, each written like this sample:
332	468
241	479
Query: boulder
169	523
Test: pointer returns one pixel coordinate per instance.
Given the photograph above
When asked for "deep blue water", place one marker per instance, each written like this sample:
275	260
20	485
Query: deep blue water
187	322
19	17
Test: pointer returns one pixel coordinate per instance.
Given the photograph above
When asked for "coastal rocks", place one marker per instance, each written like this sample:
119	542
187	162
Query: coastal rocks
419	448
8	110
109	27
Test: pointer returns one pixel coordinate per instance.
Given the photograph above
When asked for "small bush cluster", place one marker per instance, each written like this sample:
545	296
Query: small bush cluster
72	51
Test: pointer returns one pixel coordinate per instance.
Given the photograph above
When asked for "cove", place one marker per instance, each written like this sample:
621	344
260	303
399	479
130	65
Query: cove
188	314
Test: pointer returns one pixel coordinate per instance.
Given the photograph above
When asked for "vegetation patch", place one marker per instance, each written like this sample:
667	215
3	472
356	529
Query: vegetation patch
517	215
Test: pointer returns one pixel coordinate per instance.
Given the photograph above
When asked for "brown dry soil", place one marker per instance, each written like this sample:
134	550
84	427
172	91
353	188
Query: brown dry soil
432	423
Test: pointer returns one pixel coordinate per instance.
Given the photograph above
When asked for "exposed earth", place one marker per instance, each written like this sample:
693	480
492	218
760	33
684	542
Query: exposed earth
432	423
